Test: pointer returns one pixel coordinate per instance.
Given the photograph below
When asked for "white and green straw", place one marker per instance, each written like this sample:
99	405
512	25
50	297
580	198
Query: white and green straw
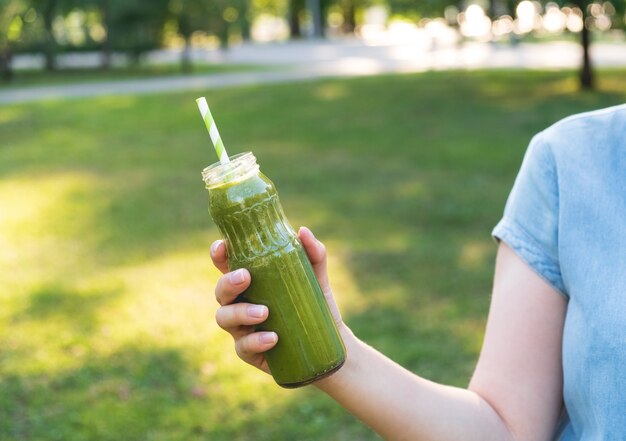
212	128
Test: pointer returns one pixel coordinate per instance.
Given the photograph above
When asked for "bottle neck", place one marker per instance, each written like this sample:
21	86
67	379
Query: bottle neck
240	167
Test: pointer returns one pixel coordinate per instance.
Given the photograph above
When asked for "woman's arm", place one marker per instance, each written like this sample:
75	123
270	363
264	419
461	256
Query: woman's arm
515	393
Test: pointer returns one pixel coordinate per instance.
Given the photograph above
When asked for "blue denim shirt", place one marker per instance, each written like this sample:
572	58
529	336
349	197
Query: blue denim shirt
566	218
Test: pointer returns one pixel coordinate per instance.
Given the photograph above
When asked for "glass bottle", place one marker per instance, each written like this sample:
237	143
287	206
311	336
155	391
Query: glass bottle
245	206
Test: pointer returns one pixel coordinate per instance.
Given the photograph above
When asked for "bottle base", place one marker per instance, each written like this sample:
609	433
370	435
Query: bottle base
324	374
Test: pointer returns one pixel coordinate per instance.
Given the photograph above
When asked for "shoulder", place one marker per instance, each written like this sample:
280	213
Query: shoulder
566	167
584	134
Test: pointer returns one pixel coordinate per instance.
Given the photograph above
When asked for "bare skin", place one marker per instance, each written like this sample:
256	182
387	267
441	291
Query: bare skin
515	393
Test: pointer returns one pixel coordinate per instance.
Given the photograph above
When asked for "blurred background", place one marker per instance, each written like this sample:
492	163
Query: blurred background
393	129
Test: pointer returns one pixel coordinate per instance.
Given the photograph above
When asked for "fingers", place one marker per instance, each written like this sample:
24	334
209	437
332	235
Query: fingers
233	317
230	285
314	248
219	255
251	345
317	255
238	320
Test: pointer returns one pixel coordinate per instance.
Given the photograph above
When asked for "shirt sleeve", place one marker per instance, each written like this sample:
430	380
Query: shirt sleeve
530	222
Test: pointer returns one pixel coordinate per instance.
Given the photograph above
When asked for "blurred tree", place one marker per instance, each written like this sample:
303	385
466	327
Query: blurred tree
234	14
47	9
105	11
349	15
424	8
11	25
221	15
243	20
209	16
325	6
189	16
586	72
317	10
619	16
105	17
296	9
497	8
510	6
135	26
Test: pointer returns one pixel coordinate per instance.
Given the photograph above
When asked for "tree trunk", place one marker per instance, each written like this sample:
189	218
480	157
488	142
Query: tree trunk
586	73
244	21
107	55
50	48
245	29
134	56
510	7
316	13
185	56
295	8
491	12
349	19
106	44
223	34
6	70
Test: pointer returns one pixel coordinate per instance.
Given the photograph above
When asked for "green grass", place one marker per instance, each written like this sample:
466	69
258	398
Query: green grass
38	77
106	287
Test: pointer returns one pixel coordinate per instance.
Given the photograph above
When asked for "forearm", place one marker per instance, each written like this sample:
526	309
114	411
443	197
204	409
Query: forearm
402	406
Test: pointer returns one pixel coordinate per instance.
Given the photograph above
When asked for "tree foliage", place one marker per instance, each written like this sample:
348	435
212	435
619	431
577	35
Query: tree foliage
12	22
423	8
135	26
215	17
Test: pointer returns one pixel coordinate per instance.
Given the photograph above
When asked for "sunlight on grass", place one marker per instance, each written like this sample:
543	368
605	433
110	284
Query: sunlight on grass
470	333
10	114
553	87
38	214
474	254
347	294
118	102
330	92
410	189
165	290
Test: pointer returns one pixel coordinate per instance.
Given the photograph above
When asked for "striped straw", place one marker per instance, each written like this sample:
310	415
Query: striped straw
212	128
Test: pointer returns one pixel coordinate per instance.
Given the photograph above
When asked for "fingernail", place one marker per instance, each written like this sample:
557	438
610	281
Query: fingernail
269	337
214	246
237	277
257	311
313	236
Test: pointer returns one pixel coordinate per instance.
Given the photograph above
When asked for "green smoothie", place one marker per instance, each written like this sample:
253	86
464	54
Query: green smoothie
245	206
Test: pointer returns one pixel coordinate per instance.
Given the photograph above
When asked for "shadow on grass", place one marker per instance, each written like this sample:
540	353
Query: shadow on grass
127	395
60	304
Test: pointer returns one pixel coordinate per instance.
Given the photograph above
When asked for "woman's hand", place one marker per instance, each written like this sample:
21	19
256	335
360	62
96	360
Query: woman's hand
239	319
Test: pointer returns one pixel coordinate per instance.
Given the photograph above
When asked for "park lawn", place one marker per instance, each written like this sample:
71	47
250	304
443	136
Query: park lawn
106	286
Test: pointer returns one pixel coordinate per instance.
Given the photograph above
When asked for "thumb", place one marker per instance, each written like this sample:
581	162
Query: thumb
317	255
